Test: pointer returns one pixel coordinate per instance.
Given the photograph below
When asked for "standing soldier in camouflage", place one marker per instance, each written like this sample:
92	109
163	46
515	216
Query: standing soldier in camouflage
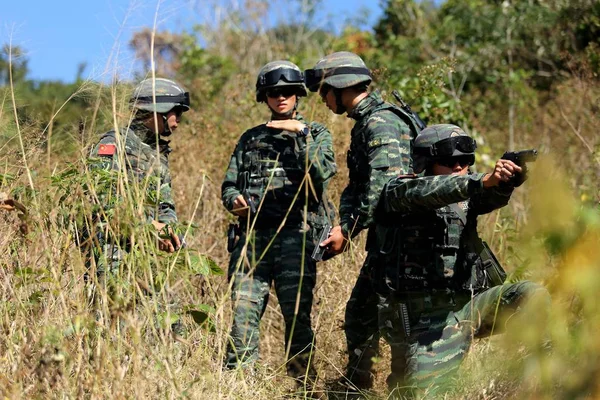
380	149
275	184
140	153
438	283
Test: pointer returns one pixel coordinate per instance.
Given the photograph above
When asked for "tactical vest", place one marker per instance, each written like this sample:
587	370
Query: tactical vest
275	178
427	251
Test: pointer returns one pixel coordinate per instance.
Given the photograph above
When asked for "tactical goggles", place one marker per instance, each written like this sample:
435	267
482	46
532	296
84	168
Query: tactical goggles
450	162
284	91
283	74
314	77
447	147
181	99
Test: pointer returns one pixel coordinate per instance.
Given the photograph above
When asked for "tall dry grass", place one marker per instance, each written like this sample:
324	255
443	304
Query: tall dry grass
52	344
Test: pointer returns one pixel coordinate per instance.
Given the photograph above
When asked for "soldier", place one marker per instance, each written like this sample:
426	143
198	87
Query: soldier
439	284
380	149
275	184
141	152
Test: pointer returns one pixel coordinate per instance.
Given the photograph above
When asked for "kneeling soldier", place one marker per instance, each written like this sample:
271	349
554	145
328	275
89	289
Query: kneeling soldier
439	284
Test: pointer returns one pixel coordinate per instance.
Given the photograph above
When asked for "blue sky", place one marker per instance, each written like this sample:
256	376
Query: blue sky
59	35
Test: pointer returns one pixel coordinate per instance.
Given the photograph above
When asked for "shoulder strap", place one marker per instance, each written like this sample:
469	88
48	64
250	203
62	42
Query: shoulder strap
405	117
123	131
109	134
460	212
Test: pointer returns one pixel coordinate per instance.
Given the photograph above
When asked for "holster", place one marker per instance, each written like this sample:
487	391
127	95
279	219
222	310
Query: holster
494	273
232	236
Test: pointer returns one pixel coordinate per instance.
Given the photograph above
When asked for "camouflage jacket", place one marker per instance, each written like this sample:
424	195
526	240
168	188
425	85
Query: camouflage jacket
273	162
144	168
380	149
421	234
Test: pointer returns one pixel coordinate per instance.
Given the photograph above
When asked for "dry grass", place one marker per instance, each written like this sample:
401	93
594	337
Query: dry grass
53	346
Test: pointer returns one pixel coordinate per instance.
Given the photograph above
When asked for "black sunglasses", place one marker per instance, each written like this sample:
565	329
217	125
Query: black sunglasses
324	90
463	161
283	91
178	111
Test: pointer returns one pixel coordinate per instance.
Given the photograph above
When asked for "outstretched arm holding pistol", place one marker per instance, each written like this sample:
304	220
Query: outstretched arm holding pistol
520	158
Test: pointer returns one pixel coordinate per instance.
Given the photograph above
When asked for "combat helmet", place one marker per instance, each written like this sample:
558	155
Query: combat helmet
167	93
276	74
439	142
338	70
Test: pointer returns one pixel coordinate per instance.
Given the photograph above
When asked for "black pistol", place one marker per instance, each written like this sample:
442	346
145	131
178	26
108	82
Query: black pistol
244	179
521	157
232	237
319	252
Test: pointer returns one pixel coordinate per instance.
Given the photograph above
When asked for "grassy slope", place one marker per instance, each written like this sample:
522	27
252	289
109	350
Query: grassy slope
52	346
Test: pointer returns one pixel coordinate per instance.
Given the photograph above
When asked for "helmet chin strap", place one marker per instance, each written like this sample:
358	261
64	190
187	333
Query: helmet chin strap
340	108
151	136
166	130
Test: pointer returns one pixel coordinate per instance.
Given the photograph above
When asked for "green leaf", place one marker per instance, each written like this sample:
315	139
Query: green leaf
167	319
203	264
199	316
36	297
202	315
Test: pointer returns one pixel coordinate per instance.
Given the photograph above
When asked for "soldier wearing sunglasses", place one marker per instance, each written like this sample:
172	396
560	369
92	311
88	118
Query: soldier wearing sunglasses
435	289
275	184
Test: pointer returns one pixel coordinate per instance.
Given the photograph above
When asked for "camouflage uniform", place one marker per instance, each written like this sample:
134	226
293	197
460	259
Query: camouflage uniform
380	149
273	164
144	168
434	295
133	151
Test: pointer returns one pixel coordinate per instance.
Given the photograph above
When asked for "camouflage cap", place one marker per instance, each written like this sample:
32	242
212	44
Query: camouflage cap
339	70
161	97
279	73
438	141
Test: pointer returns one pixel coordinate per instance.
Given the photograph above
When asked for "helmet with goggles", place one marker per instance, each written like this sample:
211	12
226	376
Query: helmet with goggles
339	70
439	143
281	77
160	95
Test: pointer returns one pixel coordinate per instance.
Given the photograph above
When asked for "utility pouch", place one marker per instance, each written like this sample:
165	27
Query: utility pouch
494	273
232	237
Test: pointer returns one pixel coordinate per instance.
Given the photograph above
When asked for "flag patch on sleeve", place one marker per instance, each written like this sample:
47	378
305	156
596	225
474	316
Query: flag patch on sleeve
107	150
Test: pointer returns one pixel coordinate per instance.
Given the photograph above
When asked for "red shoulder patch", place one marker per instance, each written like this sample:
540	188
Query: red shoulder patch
107	150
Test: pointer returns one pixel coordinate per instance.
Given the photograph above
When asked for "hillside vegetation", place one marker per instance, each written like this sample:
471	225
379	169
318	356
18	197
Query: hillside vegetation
514	74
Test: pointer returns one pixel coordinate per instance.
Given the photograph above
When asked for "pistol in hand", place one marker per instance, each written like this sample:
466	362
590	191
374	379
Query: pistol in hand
320	253
243	184
521	158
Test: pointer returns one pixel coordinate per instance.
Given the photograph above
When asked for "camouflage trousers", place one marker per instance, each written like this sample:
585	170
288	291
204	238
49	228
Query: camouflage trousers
429	336
282	259
115	279
361	329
